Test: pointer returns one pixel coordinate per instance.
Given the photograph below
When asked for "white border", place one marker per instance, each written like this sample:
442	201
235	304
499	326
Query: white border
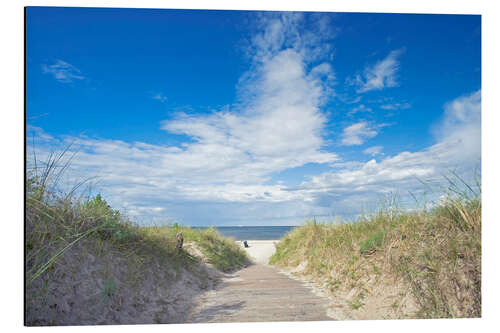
12	92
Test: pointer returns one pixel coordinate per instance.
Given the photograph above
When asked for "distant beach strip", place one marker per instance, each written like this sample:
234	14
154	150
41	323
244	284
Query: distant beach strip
253	232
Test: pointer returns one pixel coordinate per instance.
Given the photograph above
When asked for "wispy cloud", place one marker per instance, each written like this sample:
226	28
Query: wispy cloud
160	97
38	134
461	125
379	76
396	106
360	108
373	151
62	71
357	134
357	99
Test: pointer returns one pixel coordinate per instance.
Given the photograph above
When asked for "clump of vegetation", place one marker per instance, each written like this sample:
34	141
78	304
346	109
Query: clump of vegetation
221	252
86	263
435	253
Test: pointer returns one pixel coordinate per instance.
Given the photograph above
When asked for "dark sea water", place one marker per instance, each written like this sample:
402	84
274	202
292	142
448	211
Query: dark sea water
254	233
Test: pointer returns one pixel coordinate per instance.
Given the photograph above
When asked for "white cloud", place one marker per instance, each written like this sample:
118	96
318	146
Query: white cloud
461	125
38	134
279	123
224	174
152	182
360	108
374	150
457	147
63	72
396	106
233	153
353	101
357	134
379	76
160	97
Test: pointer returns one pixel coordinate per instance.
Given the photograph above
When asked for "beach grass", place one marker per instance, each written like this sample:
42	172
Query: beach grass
71	240
435	253
220	251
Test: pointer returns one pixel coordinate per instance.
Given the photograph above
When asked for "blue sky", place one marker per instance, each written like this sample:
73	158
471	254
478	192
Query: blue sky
253	118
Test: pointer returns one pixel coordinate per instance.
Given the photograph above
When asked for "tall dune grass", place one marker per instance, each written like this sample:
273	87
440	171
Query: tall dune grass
74	227
436	252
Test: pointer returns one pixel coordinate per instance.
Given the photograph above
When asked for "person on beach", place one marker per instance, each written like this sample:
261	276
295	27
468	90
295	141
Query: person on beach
245	243
180	240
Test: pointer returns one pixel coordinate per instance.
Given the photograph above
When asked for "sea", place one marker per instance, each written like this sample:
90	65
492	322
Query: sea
253	233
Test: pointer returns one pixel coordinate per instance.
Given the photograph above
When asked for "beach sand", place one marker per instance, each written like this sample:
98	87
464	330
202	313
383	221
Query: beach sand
260	250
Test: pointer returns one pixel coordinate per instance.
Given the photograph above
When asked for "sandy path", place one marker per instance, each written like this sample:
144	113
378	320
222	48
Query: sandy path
260	293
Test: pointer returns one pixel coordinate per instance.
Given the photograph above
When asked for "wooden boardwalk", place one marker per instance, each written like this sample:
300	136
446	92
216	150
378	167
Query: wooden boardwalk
259	293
